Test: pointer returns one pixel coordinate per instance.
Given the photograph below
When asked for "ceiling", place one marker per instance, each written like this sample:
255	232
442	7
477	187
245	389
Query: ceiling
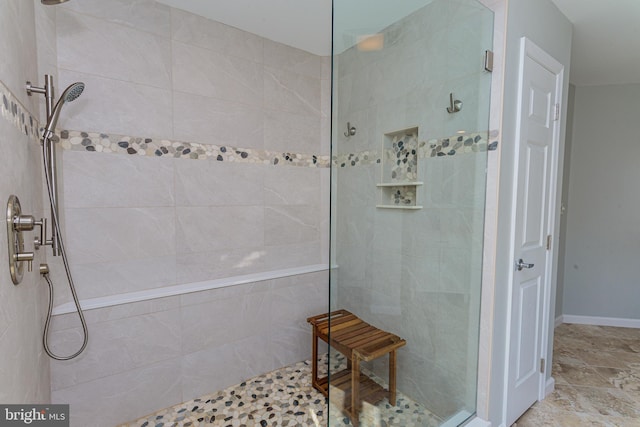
306	23
606	41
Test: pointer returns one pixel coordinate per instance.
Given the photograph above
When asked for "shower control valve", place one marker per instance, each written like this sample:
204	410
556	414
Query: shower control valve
42	240
26	256
28	223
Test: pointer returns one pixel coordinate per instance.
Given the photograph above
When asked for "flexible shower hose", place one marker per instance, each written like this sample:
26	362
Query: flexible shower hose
56	223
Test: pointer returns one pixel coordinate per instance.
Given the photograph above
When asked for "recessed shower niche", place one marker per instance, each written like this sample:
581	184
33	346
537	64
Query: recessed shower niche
399	175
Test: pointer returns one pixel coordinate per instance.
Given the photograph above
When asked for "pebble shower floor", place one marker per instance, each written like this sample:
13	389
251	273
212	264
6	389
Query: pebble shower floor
283	397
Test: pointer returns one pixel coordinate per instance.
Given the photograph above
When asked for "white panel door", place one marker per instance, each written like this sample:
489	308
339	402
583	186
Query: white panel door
539	94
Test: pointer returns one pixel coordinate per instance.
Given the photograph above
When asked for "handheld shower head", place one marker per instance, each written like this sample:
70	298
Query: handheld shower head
71	93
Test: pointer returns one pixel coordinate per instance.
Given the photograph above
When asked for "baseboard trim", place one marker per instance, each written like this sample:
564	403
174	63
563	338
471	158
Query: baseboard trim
559	320
601	321
549	387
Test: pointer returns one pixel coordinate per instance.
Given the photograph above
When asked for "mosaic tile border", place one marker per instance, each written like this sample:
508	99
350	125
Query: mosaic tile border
14	112
440	147
104	143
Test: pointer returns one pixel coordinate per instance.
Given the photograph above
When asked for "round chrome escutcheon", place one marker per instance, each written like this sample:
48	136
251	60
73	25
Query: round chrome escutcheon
15	240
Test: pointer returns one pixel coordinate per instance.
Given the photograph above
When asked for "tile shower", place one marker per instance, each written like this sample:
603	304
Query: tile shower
161	195
147	179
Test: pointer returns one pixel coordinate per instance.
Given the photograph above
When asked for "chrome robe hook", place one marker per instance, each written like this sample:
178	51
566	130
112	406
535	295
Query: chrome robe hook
351	130
454	106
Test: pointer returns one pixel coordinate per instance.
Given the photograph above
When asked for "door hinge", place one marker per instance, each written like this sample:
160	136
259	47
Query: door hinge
542	366
556	115
549	242
488	60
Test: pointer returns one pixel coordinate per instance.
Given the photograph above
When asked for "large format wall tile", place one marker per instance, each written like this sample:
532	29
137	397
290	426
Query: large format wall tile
117	107
18	49
92	180
235	318
119	398
289	58
198	31
217	367
203	229
203	72
291	92
292	255
146	15
207	183
102	279
116	346
289	131
217	264
290	224
225	122
292	186
118	234
95	46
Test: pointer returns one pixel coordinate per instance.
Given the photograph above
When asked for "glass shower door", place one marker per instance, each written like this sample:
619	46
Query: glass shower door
409	151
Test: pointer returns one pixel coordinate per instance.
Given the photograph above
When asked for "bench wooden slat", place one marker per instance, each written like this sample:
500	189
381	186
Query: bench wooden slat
357	340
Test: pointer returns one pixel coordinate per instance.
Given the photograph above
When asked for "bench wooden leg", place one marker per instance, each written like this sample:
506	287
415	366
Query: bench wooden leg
355	391
314	361
392	378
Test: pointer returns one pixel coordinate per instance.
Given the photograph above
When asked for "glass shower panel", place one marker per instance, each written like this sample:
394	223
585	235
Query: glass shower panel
408	193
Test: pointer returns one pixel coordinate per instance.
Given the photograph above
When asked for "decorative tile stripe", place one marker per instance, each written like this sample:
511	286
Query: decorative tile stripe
13	111
442	147
100	142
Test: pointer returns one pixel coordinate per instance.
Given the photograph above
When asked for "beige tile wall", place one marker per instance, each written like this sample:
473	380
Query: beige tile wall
24	368
136	223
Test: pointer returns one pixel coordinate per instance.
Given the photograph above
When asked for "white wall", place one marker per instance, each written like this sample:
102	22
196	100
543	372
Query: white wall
603	208
24	368
544	24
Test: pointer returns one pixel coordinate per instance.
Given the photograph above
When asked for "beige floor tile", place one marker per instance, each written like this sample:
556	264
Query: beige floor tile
618	359
624	379
582	375
612	402
597	374
565	398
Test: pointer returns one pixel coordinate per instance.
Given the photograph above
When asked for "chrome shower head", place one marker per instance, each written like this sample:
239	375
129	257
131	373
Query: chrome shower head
53	2
71	93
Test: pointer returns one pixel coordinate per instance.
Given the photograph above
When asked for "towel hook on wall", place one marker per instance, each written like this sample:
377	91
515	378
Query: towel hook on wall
455	106
351	130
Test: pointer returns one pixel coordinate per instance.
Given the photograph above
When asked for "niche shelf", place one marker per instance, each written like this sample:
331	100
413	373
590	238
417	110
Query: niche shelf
399	186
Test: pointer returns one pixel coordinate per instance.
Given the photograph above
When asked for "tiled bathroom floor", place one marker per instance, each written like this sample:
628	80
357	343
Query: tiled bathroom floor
597	373
283	397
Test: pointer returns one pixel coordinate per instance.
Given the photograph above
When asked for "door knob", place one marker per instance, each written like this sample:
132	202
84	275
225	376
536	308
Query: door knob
521	264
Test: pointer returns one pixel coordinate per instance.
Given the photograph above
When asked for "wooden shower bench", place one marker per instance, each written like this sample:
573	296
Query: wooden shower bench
357	341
